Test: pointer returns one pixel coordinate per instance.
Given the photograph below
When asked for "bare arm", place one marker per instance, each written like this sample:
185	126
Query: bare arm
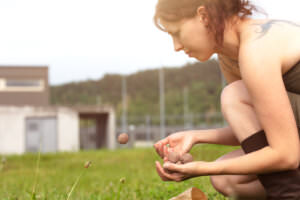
263	79
223	136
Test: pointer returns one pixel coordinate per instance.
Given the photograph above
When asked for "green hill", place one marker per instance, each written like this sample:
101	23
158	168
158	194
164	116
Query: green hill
203	81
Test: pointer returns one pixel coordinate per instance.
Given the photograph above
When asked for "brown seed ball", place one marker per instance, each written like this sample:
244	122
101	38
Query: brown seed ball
173	157
185	158
179	163
123	138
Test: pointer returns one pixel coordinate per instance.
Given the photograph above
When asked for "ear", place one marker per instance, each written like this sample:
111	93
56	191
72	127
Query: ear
202	15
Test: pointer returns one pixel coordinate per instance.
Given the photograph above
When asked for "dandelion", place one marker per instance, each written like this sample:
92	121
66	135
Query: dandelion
3	160
122	180
86	166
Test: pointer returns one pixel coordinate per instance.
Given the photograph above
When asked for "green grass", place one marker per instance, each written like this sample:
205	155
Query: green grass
101	181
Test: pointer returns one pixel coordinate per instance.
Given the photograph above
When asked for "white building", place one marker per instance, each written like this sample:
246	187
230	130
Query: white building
29	124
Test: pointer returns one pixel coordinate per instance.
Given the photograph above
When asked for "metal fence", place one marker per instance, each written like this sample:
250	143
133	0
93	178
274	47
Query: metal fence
146	130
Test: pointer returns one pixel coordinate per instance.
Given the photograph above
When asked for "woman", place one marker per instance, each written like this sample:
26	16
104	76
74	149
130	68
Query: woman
261	103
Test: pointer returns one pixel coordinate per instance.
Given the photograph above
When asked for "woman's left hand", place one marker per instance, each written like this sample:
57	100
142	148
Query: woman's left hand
183	171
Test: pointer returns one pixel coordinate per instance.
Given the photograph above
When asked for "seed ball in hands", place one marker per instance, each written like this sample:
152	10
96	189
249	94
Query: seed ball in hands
123	138
173	157
185	158
179	162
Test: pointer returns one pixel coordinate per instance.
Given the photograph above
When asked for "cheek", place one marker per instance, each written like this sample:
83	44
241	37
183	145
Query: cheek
200	42
204	50
204	47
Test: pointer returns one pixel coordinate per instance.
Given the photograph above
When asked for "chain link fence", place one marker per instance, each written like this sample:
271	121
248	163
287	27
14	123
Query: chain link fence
145	130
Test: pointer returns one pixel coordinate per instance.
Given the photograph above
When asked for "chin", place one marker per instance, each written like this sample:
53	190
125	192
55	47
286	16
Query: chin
203	58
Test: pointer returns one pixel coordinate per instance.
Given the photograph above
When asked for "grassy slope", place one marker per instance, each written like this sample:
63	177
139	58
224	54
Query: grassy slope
58	172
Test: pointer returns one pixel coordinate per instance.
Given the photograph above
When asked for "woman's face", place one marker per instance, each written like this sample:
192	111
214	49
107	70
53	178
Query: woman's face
192	36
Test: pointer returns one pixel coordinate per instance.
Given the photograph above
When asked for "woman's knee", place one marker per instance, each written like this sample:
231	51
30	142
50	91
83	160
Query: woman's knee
232	95
231	92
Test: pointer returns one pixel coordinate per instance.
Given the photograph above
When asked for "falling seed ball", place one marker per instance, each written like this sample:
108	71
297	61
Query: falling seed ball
123	138
185	158
173	157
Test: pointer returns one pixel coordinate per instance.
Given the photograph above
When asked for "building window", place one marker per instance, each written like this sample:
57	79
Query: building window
15	85
22	83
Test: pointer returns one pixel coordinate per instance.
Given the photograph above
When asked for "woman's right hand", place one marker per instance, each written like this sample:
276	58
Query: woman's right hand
180	142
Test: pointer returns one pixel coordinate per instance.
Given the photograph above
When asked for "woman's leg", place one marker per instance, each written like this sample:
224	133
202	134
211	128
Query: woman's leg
241	187
238	111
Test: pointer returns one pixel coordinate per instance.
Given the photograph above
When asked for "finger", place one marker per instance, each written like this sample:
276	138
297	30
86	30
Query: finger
160	170
161	150
165	159
166	151
156	145
174	167
169	177
165	141
170	149
162	147
158	148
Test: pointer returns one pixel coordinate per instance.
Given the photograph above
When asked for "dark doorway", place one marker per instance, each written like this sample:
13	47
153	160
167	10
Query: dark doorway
93	131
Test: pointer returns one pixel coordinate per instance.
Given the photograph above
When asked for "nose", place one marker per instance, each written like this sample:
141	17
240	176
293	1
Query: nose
177	45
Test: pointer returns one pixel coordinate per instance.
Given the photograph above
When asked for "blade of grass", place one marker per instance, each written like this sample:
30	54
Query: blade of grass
36	174
74	185
87	165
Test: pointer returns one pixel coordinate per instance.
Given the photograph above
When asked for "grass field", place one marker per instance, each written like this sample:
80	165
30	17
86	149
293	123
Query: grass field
58	172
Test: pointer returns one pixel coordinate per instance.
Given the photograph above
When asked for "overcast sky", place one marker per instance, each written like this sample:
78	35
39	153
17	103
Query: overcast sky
85	39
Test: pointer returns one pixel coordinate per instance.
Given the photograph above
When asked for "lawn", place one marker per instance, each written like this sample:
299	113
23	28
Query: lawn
126	174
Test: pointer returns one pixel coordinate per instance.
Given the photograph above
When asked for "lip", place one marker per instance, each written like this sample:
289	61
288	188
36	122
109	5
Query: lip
188	53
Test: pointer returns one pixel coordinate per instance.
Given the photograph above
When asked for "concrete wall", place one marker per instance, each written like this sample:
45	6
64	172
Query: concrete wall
11	131
12	127
68	129
111	130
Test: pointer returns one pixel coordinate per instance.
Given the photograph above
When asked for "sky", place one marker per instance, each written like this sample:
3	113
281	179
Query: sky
86	39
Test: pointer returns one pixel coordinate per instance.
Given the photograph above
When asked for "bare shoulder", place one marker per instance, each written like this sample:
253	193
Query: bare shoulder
256	29
270	39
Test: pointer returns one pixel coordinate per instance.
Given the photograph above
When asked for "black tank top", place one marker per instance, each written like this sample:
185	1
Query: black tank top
291	79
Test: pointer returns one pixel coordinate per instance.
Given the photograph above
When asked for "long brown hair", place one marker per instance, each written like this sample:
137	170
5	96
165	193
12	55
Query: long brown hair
218	11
